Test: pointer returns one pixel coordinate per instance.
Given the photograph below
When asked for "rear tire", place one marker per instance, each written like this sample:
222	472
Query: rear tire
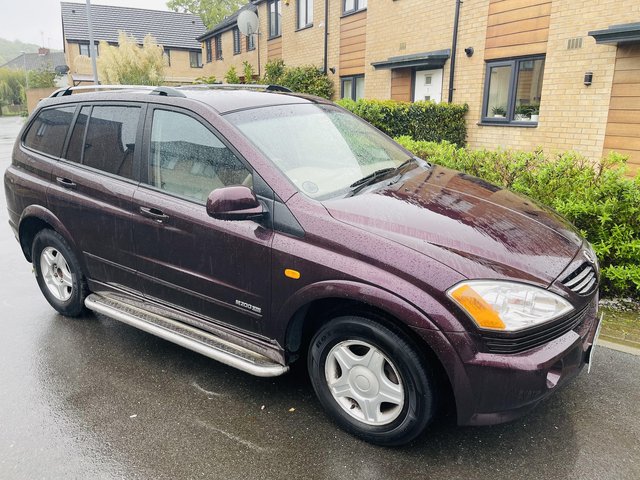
371	380
58	273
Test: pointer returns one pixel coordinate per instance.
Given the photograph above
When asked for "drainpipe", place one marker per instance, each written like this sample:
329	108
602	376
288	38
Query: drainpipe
454	45
325	67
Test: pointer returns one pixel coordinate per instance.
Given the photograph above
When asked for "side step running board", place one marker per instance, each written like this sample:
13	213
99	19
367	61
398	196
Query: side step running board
187	336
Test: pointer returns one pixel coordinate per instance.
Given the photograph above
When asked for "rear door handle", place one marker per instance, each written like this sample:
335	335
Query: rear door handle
154	213
65	182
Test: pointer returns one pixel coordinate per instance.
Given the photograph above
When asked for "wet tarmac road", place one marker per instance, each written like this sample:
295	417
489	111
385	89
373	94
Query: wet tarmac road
92	398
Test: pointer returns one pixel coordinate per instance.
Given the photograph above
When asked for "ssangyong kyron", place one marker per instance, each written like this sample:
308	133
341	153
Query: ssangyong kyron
261	228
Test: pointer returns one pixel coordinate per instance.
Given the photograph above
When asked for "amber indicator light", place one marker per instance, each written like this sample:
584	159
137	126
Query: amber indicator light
289	272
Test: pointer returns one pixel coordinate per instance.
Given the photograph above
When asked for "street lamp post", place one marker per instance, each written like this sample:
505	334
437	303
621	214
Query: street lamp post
26	73
92	47
26	80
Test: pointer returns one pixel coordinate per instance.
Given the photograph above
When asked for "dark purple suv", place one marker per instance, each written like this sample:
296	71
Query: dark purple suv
258	227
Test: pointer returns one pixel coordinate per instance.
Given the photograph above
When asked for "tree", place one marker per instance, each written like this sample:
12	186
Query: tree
130	64
11	87
211	12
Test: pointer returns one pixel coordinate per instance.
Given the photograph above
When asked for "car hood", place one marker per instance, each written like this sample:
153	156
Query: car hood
473	227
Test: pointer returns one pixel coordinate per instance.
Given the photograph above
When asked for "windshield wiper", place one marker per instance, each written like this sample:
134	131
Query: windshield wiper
367	180
378	174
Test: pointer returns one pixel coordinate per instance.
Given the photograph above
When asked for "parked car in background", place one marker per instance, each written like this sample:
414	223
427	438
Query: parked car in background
259	228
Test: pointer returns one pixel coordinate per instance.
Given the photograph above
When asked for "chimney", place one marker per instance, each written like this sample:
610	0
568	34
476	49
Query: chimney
43	51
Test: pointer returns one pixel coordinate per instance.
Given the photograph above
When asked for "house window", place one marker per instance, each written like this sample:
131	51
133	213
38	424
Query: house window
274	7
251	43
350	6
352	87
167	56
513	90
236	41
218	40
305	13
86	51
207	46
195	59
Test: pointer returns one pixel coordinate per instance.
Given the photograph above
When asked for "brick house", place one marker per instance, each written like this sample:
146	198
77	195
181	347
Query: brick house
553	73
176	32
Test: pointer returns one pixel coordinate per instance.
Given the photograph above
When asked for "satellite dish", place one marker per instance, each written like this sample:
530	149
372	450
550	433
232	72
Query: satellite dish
248	22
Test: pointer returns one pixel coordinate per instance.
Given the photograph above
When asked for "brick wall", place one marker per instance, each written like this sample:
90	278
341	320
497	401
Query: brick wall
34	95
572	116
402	28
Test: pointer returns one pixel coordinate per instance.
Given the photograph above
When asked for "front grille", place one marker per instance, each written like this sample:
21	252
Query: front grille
519	342
583	280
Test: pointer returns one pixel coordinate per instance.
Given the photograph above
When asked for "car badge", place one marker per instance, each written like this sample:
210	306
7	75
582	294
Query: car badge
588	256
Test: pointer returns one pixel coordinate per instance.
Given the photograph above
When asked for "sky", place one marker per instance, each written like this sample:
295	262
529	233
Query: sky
38	21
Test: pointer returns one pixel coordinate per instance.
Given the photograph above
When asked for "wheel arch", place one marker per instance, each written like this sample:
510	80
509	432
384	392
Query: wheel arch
34	219
319	303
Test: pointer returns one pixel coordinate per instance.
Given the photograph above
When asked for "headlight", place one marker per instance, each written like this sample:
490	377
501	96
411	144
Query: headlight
507	306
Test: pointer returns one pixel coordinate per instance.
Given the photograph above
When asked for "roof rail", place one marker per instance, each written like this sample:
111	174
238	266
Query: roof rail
238	86
164	91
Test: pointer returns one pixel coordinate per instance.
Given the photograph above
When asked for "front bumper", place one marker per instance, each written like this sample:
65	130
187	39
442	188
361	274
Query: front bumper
491	388
505	387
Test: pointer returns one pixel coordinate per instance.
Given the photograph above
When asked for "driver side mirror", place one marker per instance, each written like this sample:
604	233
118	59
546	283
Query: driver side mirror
234	203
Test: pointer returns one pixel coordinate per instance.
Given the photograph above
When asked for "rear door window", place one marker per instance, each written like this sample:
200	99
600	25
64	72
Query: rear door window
110	139
48	131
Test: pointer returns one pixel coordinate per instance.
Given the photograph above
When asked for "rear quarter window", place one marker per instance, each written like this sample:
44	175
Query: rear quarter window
48	131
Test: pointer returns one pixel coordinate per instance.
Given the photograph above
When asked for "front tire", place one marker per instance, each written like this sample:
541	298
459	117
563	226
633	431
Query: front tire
371	380
58	273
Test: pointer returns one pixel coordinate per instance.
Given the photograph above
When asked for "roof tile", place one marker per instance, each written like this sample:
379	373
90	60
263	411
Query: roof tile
170	29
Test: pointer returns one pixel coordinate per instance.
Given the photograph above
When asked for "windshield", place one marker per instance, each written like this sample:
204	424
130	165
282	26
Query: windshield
320	148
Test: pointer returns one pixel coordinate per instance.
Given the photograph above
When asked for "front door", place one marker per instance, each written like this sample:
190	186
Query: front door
215	268
427	85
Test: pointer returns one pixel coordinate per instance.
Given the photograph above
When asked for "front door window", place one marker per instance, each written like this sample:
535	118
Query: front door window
188	160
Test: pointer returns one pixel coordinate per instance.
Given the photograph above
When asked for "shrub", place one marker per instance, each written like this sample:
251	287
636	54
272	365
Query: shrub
598	199
232	76
248	72
44	77
206	80
435	122
273	72
129	64
305	79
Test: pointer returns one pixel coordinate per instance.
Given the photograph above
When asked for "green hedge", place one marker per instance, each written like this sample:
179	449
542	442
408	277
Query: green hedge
435	122
598	199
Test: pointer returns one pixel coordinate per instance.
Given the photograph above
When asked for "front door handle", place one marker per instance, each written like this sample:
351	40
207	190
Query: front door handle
65	182
154	213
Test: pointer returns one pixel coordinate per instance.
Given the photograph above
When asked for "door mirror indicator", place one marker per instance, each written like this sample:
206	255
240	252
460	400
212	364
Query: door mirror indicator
234	203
